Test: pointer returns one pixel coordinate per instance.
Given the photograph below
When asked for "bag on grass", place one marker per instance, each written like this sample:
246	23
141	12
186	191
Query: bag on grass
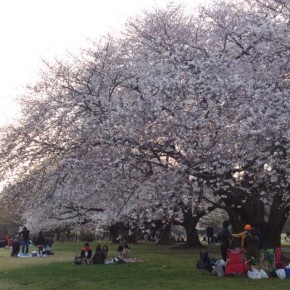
205	262
253	274
219	267
263	274
281	273
257	274
34	254
77	260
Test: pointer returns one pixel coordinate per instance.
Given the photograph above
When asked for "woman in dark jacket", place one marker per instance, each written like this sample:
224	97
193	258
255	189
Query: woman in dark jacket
99	256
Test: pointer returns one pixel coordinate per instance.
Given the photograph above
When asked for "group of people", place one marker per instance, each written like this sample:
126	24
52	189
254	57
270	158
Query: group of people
101	254
22	241
99	257
251	241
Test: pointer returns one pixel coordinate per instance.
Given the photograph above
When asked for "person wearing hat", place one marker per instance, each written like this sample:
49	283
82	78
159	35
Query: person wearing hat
242	235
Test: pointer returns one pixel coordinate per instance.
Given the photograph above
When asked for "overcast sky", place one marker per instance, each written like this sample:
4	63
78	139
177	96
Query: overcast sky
35	29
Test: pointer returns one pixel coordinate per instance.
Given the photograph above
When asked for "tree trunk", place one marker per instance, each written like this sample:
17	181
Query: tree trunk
270	231
270	223
271	235
132	239
164	235
114	233
192	238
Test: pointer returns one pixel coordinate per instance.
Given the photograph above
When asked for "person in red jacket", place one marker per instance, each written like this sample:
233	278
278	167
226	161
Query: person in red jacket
8	239
86	253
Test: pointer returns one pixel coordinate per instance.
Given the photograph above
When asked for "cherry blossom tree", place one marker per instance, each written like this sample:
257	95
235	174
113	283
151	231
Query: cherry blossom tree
179	115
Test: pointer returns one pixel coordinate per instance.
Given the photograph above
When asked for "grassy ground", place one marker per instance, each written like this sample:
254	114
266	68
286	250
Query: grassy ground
164	267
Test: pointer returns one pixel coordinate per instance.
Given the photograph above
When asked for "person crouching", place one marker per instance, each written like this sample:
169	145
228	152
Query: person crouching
15	248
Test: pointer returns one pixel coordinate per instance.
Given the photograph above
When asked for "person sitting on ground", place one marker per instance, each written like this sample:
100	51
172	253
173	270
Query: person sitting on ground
127	257
126	253
40	243
48	246
243	234
105	250
15	247
99	256
86	253
120	250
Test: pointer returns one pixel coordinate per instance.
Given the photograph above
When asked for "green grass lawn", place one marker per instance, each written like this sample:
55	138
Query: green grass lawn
164	267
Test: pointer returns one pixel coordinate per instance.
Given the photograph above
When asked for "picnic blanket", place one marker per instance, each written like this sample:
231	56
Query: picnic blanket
30	255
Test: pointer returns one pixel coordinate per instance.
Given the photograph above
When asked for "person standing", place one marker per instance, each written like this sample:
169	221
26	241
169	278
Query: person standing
225	238
24	234
40	242
243	234
209	235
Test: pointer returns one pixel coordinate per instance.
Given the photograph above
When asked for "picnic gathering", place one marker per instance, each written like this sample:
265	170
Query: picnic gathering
228	254
22	242
243	253
250	257
42	247
100	255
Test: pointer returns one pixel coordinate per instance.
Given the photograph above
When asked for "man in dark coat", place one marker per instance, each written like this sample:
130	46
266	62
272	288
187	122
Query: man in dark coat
25	240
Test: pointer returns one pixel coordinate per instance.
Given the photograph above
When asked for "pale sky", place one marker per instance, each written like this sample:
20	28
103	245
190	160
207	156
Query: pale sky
35	29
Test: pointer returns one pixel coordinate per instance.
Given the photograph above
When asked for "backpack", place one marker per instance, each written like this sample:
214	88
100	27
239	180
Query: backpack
77	260
205	262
